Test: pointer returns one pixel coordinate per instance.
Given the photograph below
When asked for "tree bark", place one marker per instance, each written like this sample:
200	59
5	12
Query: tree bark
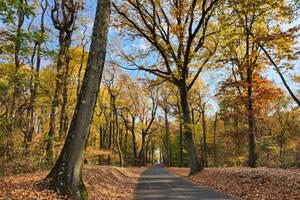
65	176
65	42
250	110
187	131
63	122
142	151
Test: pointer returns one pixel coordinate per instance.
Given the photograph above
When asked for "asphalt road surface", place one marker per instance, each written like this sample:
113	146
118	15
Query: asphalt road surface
158	183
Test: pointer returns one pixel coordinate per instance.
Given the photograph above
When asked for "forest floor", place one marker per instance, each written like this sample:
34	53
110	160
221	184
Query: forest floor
102	183
247	183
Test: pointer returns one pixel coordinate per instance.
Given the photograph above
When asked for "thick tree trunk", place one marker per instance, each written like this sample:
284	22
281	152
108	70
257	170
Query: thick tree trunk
188	134
65	176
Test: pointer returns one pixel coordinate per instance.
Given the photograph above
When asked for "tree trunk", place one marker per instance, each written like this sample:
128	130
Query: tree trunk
51	133
100	137
250	110
298	159
142	151
252	149
125	145
187	131
205	162
63	123
215	130
65	176
160	155
180	145
117	131
168	142
65	42
238	138
135	156
110	140
193	122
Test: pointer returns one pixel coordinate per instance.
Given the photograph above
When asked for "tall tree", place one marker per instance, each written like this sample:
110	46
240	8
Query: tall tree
65	176
63	15
249	20
37	52
178	31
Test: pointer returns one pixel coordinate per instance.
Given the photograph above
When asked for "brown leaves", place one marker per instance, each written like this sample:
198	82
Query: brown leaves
111	182
102	183
25	186
247	183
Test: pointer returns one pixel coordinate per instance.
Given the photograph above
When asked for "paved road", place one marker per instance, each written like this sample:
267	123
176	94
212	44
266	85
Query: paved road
157	183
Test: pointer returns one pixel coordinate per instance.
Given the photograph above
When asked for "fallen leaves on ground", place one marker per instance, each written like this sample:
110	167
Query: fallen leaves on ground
102	182
247	183
111	182
25	186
